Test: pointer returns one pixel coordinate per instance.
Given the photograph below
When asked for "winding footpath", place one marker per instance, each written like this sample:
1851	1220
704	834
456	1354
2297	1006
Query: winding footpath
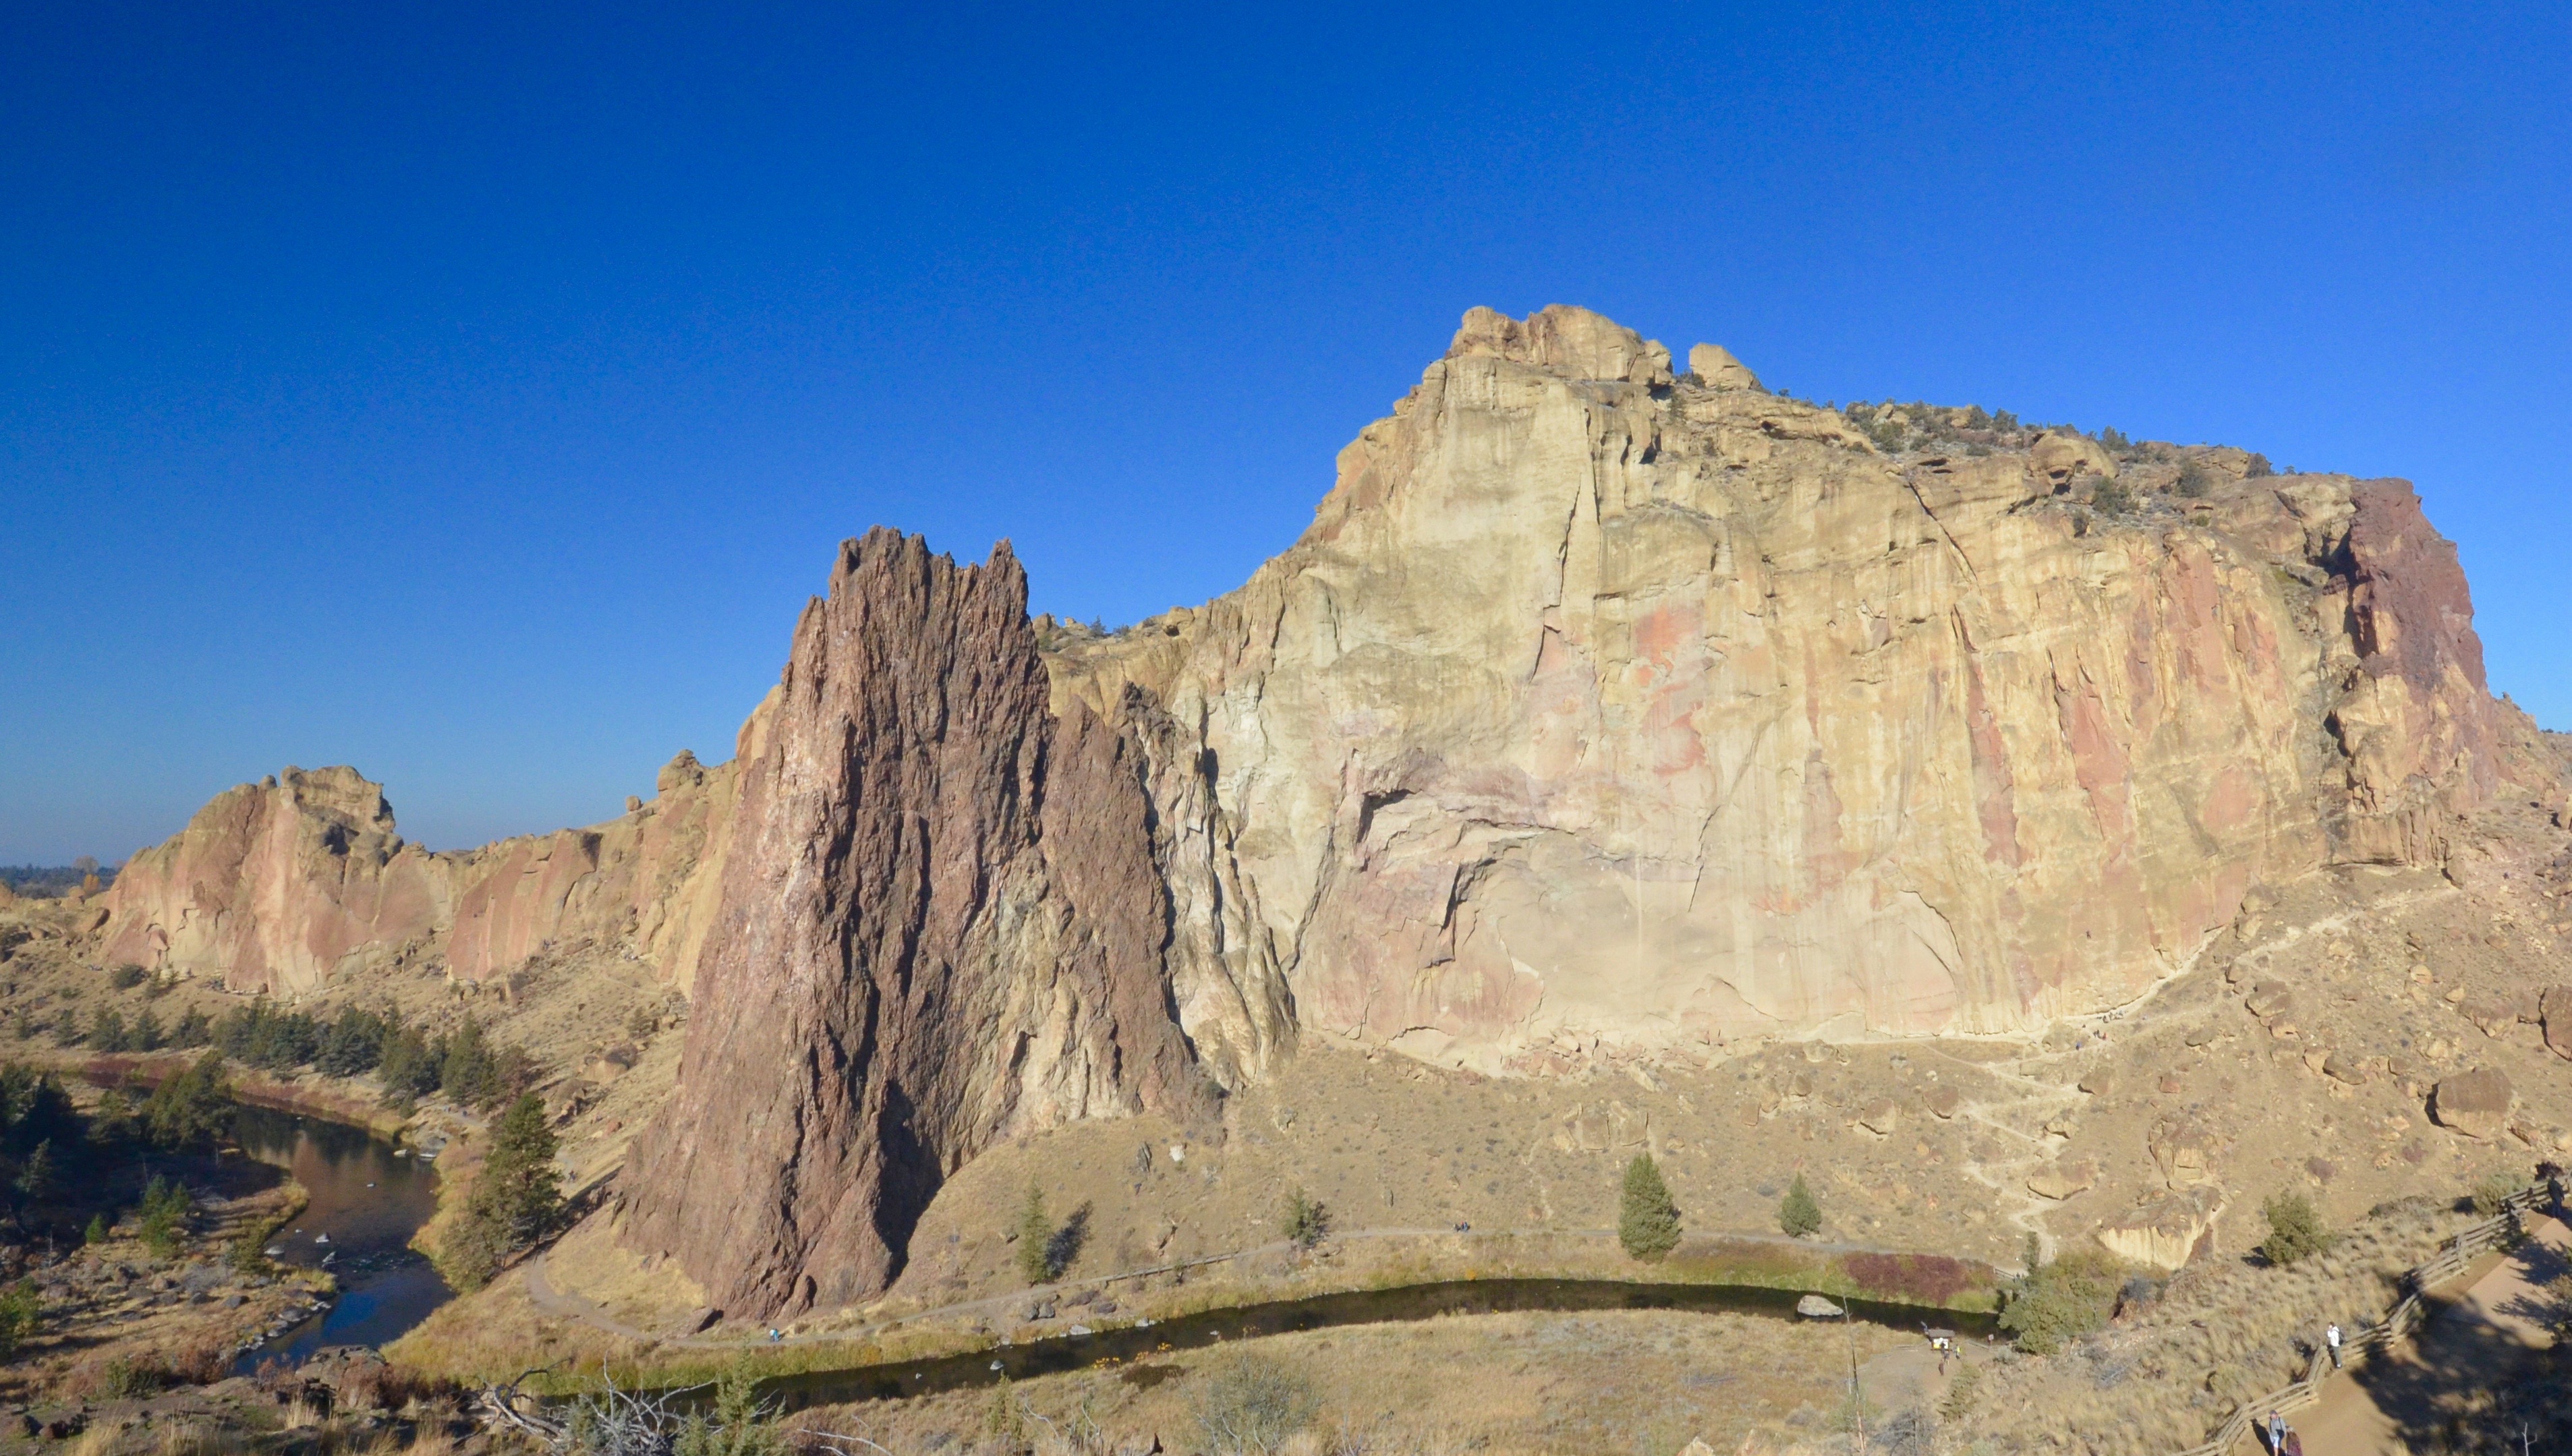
2368	1410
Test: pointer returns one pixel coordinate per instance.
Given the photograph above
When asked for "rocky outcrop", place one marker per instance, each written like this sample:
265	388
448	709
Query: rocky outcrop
2164	1230
941	923
2475	1103
275	886
1605	710
645	883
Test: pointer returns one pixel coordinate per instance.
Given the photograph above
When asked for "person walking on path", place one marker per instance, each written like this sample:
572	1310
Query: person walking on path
2277	1434
2331	1337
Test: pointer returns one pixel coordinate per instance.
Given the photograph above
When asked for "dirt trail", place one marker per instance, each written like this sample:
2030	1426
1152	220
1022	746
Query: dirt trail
2470	1343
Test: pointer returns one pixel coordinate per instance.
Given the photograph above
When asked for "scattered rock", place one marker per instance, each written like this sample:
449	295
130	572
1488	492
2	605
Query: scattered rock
2474	1102
2058	1182
2270	1000
1881	1116
699	1320
2099	1081
1943	1102
1814	1307
2490	1014
2341	1067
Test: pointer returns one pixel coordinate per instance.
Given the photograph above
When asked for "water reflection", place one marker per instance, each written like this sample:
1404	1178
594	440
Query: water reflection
367	1202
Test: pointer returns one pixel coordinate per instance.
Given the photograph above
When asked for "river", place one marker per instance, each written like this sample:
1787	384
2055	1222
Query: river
1068	1352
367	1202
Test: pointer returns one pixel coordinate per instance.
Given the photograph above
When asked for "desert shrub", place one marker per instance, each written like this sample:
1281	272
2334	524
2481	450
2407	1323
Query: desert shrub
2055	1303
112	1120
1252	1406
2002	419
37	1175
1977	417
165	1212
192	1109
739	1425
1959	1402
194	1029
21	1316
352	1044
1001	1417
126	977
1034	1253
146	1034
1798	1213
98	1231
1306	1223
2114	438
2111	497
260	1035
408	1063
2493	1193
481	1073
1648	1222
1917	1278
202	1363
248	1253
515	1198
2260	467
2195	480
2295	1229
107	1032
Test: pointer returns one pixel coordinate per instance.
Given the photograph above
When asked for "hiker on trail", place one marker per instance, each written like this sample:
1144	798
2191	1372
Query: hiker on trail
2277	1434
2331	1337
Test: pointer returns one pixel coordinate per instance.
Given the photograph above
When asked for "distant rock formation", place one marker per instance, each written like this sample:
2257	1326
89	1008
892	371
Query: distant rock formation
941	924
280	885
276	886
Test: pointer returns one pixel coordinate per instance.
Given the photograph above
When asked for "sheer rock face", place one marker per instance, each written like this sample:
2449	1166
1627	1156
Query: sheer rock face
276	886
1600	711
941	924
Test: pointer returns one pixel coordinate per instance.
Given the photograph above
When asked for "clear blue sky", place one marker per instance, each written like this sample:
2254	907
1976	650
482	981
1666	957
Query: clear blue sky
473	395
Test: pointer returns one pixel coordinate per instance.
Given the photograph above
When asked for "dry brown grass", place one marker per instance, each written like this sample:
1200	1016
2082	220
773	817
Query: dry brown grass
2160	1379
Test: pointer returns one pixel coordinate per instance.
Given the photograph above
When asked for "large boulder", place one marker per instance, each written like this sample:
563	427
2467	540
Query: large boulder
2556	1011
2185	1151
2059	1180
2164	1230
2474	1102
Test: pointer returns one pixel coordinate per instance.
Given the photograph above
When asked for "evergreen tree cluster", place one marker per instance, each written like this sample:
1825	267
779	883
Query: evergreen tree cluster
515	1200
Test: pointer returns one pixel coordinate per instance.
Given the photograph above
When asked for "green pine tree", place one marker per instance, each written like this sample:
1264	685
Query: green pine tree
1798	1213
1648	1222
1035	1238
36	1176
515	1199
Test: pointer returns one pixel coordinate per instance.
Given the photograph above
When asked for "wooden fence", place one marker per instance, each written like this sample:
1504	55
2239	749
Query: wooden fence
2398	1321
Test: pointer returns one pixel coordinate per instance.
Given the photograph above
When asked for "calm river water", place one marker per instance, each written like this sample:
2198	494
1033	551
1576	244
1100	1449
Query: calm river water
367	1203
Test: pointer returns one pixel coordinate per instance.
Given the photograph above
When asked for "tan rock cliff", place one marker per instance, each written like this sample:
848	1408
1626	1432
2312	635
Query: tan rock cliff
1599	710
